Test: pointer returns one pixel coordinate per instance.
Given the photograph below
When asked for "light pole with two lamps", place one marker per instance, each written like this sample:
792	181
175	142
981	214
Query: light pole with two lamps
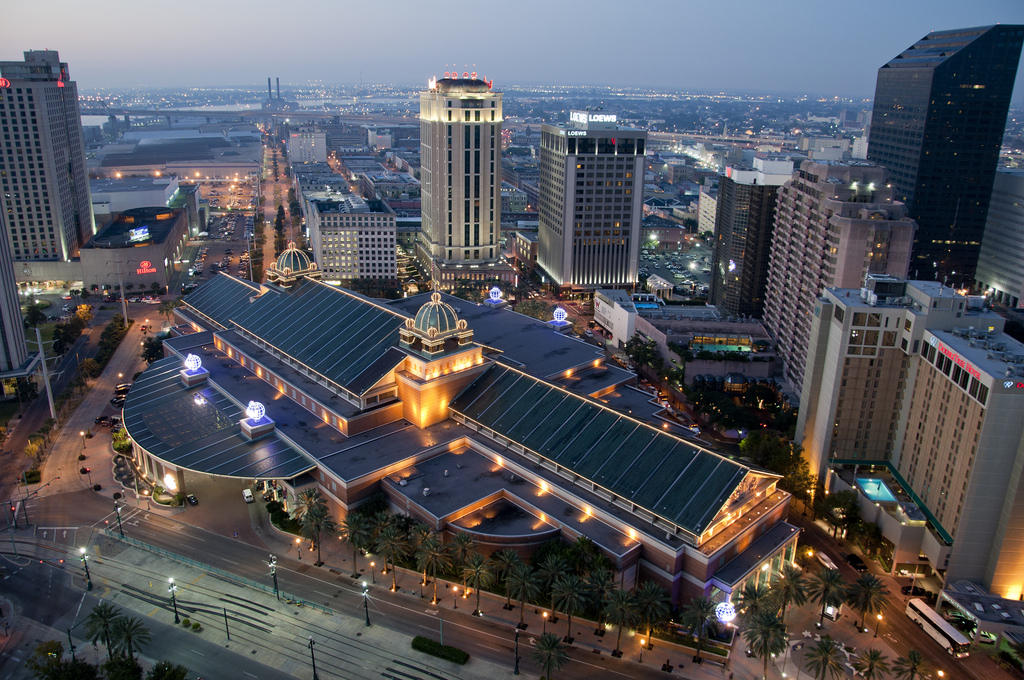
366	602
85	563
117	510
273	572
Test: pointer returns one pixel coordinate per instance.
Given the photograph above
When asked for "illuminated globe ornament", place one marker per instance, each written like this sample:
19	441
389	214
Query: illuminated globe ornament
559	315
255	411
193	363
495	294
725	612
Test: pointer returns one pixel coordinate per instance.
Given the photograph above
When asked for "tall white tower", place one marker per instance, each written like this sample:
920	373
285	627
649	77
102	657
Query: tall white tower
460	174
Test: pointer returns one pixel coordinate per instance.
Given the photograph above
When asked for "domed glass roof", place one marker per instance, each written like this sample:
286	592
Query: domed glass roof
436	315
292	260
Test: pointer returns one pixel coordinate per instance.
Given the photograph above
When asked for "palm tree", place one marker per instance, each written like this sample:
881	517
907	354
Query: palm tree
620	609
910	667
549	654
867	595
791	589
872	665
522	582
570	594
432	557
601	584
828	589
824	658
392	544
358	531
699	617
501	563
551	567
766	636
100	622
753	598
462	547
130	634
477	574
315	522
308	501
652	605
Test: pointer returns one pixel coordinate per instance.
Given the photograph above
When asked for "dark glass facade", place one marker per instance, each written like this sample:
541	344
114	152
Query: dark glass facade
937	125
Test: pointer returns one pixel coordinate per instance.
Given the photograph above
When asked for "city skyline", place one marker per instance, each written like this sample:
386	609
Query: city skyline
759	51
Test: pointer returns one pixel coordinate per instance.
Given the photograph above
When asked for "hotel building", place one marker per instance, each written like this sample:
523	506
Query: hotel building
591	202
460	174
470	418
352	238
915	397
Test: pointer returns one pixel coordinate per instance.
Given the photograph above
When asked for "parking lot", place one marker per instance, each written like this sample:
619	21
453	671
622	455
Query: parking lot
689	270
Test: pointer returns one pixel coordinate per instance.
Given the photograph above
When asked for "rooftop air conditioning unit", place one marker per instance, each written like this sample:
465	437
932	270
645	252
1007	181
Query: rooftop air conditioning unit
426	491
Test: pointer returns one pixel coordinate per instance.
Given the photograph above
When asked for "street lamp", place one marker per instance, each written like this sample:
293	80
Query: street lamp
85	563
312	658
545	617
878	617
643	643
373	568
515	670
174	603
82	435
366	605
298	548
273	572
117	509
455	597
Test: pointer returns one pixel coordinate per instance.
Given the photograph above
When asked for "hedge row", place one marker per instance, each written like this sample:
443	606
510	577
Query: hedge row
428	646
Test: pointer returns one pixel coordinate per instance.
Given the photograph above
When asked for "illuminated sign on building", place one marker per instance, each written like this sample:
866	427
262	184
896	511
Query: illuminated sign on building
138	234
4	82
958	360
583	117
145	267
576	133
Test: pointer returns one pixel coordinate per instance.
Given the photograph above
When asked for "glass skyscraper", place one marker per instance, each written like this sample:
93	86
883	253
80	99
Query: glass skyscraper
937	125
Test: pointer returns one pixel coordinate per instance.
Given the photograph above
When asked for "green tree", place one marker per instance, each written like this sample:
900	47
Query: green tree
34	315
90	368
432	557
791	589
502	562
643	352
824	659
99	624
867	596
477	575
753	598
828	589
166	308
652	605
551	567
699	618
570	592
537	309
47	663
909	667
620	609
601	583
522	583
129	635
549	654
152	350
393	545
358	531
766	636
461	548
122	668
872	665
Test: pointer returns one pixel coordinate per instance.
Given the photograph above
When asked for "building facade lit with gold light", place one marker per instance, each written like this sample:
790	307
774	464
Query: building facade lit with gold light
471	418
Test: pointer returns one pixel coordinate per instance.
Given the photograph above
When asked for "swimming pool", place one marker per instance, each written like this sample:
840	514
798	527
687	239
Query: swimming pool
646	305
876	490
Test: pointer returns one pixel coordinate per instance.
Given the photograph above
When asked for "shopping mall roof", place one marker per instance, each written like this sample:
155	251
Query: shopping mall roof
198	429
668	476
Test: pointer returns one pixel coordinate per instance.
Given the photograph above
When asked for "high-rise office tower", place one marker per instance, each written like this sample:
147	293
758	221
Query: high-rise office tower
591	193
937	125
1000	267
44	187
834	224
744	219
14	358
460	172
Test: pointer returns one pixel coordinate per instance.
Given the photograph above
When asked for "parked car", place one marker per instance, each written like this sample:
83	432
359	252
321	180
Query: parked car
247	496
825	560
117	401
192	500
102	420
914	591
856	562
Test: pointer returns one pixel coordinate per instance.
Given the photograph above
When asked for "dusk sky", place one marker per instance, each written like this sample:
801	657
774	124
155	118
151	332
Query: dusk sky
785	46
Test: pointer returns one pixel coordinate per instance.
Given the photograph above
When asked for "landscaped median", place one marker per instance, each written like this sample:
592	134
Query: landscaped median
446	652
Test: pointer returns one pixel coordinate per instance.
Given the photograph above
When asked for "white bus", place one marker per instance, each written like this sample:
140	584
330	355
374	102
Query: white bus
942	631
